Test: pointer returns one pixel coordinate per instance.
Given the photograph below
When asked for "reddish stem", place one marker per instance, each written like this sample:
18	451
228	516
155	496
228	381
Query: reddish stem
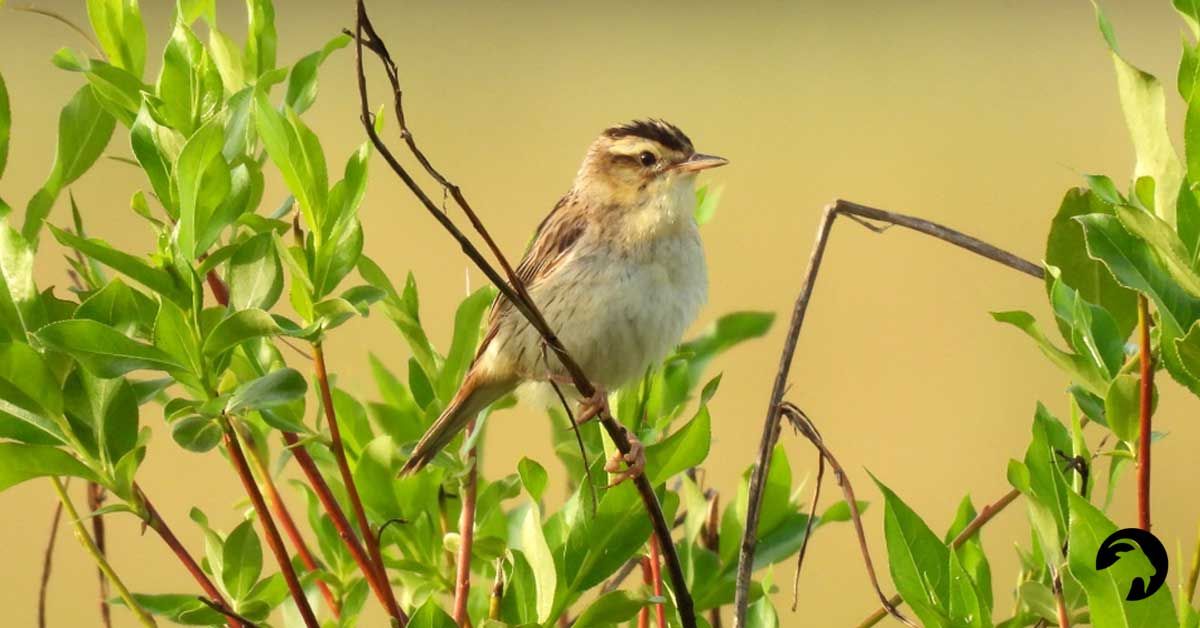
466	535
647	579
1145	408
95	499
340	523
274	541
47	563
660	613
219	290
271	493
155	522
339	454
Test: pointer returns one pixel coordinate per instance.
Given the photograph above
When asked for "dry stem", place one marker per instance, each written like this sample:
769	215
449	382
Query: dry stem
1145	409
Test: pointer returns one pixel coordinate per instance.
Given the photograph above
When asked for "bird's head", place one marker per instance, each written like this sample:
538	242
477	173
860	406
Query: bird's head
633	164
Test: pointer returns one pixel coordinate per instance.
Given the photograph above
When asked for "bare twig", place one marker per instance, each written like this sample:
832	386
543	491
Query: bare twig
62	19
267	523
369	540
466	532
771	424
513	289
808	527
985	515
95	499
47	563
1145	409
279	508
802	424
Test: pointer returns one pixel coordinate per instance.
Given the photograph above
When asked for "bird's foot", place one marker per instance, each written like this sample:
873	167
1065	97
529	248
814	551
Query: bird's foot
636	459
593	407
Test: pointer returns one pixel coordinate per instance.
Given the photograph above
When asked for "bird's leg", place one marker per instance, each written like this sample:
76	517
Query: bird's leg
636	459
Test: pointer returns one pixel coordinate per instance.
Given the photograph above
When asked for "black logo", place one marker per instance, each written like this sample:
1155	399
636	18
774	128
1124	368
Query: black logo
1131	542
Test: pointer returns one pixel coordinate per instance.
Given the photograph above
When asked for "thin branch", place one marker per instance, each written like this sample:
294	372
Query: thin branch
47	563
1060	604
808	527
643	620
60	18
513	290
985	515
267	523
226	612
801	423
369	540
710	536
155	522
89	546
770	431
660	615
279	508
1145	409
466	532
95	499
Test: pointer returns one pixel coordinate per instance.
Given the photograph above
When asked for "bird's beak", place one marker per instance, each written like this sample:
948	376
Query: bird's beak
700	161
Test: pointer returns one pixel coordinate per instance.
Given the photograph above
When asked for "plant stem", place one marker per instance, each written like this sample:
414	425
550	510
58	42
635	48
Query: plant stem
771	423
47	563
155	522
643	620
1060	604
1145	408
274	541
466	533
660	614
95	499
497	595
370	541
340	523
985	515
271	494
90	547
710	536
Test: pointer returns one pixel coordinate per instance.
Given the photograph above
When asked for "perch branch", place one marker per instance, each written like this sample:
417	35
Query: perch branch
275	501
771	424
801	423
89	546
1145	409
267	523
466	532
369	540
513	289
47	563
985	515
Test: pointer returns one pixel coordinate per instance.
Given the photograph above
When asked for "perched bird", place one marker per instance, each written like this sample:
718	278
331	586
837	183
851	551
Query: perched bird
617	269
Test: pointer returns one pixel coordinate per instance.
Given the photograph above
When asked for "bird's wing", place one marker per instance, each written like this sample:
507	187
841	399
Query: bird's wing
557	234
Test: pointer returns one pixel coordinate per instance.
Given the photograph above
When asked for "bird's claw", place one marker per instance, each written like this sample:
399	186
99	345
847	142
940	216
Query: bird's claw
592	407
636	459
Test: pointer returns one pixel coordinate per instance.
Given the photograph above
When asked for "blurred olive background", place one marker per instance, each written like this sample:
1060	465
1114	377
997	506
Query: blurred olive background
975	114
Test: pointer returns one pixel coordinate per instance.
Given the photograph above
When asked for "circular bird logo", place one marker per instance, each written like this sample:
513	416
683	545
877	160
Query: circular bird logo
1134	544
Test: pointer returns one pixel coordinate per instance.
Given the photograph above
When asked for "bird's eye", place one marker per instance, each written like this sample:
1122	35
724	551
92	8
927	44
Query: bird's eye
647	158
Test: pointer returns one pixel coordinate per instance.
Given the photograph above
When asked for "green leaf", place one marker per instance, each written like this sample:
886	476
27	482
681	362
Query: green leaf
189	85
1106	588
21	309
119	29
84	128
5	124
20	462
238	328
707	199
259	56
1081	370
196	434
118	306
102	350
295	150
466	337
176	336
133	267
1144	105
302	80
242	556
537	552
970	554
1163	239
534	477
180	608
610	609
1090	329
204	181
1065	250
154	146
30	396
255	274
1121	407
684	449
918	560
103	411
430	615
227	59
271	390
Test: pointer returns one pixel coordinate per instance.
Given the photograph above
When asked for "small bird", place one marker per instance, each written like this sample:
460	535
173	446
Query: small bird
616	268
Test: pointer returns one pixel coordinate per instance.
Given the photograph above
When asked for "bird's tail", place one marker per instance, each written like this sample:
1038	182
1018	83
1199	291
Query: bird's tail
477	391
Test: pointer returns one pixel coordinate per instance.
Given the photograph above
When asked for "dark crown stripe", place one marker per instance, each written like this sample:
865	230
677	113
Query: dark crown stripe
659	131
